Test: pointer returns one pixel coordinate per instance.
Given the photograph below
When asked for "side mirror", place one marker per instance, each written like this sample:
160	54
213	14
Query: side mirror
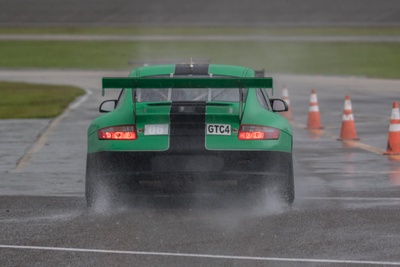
278	105
107	106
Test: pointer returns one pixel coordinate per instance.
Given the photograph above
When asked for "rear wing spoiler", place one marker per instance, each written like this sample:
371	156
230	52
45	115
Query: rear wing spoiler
178	82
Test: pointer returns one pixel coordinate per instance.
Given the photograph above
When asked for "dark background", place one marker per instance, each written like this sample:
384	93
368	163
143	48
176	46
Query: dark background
244	13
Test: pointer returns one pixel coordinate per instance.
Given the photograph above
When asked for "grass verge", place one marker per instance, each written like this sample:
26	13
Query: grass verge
380	60
22	100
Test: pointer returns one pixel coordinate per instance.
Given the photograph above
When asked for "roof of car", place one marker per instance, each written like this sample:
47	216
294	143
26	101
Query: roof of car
187	69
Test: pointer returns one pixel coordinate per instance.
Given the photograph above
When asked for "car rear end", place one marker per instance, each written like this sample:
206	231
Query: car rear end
192	141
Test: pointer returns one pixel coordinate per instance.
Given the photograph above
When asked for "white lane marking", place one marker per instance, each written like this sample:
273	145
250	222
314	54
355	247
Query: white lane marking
41	141
80	100
210	256
354	198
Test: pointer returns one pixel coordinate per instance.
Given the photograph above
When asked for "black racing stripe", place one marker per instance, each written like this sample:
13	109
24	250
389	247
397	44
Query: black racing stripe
187	129
191	69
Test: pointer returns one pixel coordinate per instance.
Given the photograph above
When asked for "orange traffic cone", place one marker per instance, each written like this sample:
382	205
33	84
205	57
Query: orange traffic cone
314	118
285	96
393	145
348	131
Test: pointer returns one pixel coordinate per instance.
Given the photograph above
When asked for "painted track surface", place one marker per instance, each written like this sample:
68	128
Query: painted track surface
347	203
236	13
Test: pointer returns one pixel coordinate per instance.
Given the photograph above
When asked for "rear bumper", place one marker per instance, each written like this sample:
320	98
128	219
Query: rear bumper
210	165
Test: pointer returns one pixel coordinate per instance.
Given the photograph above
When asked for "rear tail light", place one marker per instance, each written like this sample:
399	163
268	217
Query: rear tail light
127	132
254	132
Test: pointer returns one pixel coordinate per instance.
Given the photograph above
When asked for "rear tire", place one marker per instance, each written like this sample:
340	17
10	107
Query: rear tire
286	188
101	190
90	192
91	184
285	183
279	181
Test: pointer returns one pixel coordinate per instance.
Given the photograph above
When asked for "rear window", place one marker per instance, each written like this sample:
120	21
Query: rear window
189	94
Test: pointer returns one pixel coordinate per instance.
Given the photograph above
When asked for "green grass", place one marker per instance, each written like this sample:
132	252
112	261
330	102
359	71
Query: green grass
21	100
380	60
353	58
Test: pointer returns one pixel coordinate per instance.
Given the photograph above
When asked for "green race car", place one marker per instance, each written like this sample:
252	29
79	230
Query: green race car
190	124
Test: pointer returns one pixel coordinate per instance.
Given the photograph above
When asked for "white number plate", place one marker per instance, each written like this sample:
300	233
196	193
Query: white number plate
156	129
219	129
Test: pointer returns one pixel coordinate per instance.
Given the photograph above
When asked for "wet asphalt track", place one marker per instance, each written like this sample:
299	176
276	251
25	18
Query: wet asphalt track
346	211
